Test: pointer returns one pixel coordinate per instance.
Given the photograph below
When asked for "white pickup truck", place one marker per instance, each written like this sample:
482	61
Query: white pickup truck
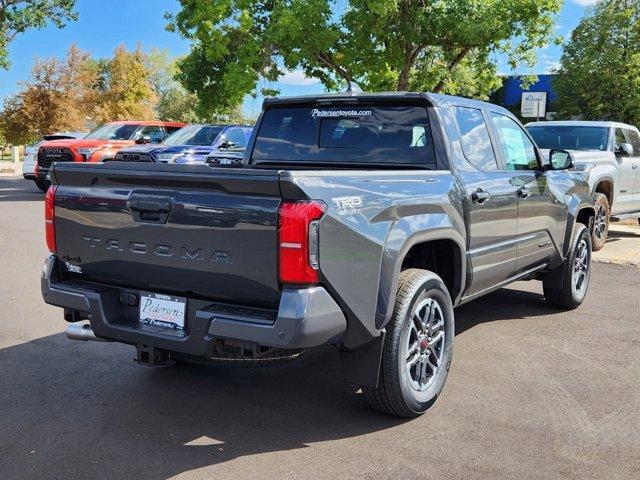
608	154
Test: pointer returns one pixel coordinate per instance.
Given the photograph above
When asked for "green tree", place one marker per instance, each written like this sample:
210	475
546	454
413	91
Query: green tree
599	74
17	16
174	102
376	44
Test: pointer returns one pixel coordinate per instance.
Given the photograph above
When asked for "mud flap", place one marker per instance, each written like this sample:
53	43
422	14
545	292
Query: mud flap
362	366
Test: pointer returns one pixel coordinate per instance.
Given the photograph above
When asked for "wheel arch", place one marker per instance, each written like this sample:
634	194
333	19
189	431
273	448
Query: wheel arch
439	251
605	185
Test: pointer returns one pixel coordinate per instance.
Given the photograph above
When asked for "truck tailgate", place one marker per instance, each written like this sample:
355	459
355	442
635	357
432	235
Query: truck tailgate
189	230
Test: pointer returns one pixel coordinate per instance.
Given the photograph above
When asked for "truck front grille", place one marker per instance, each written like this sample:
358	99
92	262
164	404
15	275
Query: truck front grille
46	156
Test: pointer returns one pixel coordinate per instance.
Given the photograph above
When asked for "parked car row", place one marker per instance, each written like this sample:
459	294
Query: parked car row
132	141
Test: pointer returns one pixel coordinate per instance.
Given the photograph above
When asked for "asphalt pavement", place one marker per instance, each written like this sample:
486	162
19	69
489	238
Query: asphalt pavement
533	392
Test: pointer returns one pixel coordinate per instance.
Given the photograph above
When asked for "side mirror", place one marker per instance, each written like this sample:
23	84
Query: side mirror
143	140
227	144
625	149
560	160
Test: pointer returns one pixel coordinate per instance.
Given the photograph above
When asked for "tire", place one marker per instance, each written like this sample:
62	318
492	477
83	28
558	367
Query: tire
600	222
402	390
43	185
566	292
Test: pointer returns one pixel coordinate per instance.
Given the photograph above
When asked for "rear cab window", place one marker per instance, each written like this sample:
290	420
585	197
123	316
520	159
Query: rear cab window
345	135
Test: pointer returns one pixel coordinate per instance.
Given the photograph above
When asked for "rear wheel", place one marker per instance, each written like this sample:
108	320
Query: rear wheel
600	222
418	347
575	272
43	185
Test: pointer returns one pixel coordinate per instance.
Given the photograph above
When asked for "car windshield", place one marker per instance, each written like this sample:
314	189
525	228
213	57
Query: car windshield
569	137
113	131
380	134
200	135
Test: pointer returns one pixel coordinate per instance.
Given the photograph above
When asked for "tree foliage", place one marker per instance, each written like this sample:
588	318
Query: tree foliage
16	16
599	74
70	94
441	46
127	92
174	102
57	97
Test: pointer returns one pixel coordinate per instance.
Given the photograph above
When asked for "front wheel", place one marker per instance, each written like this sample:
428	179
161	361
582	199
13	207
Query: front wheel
418	347
570	288
600	222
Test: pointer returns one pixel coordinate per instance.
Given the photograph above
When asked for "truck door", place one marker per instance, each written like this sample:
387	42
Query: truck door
491	199
626	197
628	200
541	217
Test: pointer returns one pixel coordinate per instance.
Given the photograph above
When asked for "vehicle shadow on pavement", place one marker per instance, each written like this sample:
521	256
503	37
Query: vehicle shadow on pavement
504	304
86	410
19	190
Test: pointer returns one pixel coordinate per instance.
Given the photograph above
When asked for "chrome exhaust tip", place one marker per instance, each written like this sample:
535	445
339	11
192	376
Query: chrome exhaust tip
82	332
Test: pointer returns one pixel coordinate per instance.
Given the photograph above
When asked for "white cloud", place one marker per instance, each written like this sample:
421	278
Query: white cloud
585	3
297	78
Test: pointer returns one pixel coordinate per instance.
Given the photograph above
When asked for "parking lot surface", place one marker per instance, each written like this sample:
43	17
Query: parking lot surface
533	393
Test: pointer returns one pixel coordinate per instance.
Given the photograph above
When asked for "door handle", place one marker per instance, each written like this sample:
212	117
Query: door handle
634	166
524	192
480	196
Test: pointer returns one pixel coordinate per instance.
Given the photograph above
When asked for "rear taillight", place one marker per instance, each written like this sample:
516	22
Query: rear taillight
49	218
298	241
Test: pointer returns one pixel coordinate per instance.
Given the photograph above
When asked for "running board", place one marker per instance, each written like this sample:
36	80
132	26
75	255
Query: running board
504	283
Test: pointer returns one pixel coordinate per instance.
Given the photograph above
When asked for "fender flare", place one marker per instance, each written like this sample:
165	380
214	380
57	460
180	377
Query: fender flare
392	263
572	218
605	177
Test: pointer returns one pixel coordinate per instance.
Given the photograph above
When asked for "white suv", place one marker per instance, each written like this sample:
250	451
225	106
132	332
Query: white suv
608	155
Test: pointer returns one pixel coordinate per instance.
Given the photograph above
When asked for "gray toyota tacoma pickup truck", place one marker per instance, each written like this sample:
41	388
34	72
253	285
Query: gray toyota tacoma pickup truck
358	221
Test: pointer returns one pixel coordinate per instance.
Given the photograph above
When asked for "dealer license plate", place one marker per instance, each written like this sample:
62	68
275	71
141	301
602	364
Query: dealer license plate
162	310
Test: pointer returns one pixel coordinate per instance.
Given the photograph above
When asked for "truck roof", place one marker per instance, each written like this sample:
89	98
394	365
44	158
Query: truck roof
142	122
581	123
433	99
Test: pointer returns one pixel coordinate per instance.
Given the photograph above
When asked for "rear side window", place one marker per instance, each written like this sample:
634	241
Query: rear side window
474	137
334	135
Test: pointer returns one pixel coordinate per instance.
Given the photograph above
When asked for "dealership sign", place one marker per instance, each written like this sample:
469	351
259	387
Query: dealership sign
534	105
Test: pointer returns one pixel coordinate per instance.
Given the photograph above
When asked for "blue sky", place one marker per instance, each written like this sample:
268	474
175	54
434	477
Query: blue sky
105	24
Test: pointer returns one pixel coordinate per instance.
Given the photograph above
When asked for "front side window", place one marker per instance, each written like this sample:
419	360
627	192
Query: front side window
518	150
633	138
474	137
367	134
237	138
154	132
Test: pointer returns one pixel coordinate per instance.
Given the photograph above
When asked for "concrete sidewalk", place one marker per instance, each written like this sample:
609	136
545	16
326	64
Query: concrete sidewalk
623	245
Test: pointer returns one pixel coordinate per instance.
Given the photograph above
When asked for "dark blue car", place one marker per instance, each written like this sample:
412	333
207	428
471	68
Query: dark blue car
190	144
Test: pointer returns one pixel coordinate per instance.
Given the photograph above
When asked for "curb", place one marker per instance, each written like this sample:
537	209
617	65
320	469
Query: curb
615	261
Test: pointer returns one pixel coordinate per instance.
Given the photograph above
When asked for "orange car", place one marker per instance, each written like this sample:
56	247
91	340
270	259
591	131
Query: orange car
100	145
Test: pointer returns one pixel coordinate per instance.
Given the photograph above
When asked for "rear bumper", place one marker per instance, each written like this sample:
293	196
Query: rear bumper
305	318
